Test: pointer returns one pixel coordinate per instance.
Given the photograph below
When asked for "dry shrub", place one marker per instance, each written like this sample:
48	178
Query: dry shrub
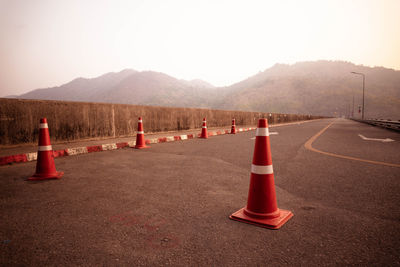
19	119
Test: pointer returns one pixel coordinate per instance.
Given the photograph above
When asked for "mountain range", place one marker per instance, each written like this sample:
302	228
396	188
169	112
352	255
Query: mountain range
320	88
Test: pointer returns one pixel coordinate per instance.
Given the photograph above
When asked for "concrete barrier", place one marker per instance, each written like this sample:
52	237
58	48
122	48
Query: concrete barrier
19	119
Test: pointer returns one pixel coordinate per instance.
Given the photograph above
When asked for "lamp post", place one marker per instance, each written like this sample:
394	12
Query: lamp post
363	75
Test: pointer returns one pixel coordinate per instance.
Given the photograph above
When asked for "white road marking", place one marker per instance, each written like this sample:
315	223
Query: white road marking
31	156
108	147
78	150
375	139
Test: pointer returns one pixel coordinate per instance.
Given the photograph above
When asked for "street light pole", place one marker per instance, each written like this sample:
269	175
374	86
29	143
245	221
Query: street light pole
363	75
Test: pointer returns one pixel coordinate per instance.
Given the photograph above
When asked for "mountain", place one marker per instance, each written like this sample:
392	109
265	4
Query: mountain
200	84
318	88
154	88
81	89
130	87
321	87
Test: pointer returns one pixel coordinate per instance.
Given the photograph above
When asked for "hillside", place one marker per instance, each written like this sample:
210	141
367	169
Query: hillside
321	87
80	89
318	88
130	87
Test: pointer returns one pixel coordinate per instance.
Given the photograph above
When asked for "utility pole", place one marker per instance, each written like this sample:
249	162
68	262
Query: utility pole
363	75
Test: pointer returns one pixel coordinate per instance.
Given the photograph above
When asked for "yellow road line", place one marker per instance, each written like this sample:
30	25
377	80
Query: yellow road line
291	123
308	145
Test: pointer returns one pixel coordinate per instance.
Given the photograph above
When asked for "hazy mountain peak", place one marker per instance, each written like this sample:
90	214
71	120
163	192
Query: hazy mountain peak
200	83
314	87
127	71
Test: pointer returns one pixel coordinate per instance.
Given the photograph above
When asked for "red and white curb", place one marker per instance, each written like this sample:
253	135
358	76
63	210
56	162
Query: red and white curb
32	156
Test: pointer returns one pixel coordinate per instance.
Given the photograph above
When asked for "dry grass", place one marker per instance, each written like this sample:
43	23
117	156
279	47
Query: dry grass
19	119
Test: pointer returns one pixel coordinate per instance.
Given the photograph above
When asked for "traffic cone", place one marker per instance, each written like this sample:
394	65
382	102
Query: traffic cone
140	142
233	129
204	129
262	209
45	168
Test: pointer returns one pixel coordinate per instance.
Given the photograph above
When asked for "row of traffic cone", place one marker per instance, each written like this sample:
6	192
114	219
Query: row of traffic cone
261	208
45	167
204	128
140	142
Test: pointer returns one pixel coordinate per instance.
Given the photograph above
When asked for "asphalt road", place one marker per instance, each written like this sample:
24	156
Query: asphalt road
169	204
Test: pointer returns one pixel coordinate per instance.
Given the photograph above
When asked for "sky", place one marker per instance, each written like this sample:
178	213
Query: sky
46	43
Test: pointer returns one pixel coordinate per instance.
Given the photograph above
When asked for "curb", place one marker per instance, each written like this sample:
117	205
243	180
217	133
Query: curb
32	156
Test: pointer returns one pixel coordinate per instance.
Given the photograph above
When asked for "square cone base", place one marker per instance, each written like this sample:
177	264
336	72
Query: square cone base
38	177
274	223
141	147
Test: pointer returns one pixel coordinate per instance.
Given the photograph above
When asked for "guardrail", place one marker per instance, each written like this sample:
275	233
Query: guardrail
388	124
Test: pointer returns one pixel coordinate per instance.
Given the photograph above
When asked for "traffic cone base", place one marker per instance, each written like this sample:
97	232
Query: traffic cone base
204	133
37	177
141	147
270	223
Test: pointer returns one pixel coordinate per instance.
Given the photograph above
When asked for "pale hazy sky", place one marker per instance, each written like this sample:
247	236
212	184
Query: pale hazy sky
45	43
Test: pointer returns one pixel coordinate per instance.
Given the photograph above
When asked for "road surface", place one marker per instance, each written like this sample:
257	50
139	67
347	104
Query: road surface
170	204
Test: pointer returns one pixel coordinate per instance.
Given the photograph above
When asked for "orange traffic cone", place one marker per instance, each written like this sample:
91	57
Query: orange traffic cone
204	129
233	129
45	168
262	209
140	142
